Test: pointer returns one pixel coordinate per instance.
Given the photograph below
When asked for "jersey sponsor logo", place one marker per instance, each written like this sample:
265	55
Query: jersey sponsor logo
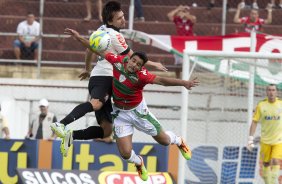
272	117
121	40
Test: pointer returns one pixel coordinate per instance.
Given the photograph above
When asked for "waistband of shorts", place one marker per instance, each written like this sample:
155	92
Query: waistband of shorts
125	108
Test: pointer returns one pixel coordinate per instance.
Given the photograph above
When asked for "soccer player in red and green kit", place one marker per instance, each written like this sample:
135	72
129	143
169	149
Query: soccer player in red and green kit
130	109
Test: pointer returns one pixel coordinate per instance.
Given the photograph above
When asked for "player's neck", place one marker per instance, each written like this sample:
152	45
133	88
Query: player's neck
113	27
271	100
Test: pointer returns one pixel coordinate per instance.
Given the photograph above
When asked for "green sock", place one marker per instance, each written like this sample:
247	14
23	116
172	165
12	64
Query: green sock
266	174
275	171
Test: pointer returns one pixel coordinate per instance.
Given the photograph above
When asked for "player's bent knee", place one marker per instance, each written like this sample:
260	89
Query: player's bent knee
96	104
125	155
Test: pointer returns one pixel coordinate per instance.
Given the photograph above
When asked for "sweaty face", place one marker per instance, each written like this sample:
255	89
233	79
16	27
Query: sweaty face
134	64
254	15
30	19
118	20
271	93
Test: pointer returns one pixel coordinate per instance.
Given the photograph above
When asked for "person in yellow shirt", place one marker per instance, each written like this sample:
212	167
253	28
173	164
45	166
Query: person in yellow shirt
269	113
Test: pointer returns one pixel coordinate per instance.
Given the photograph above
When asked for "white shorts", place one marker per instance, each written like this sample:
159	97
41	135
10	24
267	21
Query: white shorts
140	117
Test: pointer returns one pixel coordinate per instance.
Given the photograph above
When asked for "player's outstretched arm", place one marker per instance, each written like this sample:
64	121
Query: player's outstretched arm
82	40
88	67
158	66
166	81
77	37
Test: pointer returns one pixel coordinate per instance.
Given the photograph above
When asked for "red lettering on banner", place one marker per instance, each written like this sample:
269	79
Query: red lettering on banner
233	42
121	41
130	177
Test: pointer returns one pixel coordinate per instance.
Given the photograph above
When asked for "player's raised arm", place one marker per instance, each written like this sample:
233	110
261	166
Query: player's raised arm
166	81
82	40
158	66
77	37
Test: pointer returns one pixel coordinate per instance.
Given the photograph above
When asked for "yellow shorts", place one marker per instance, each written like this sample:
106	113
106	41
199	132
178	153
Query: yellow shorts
267	152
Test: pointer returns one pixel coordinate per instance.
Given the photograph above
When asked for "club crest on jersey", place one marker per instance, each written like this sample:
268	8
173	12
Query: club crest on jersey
122	78
118	66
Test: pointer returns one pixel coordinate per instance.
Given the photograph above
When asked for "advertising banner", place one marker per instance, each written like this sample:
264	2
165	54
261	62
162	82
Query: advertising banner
56	176
83	156
268	70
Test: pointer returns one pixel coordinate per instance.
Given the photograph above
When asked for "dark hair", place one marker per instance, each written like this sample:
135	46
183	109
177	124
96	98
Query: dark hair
109	9
29	13
272	85
141	55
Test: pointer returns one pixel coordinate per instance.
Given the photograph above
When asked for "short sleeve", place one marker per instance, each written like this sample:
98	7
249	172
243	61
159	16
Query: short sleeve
257	114
146	77
20	29
118	43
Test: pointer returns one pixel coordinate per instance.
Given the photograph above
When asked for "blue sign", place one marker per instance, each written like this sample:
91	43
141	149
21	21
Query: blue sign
232	164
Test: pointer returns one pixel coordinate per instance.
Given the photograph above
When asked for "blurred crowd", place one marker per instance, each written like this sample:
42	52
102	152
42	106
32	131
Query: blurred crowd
182	16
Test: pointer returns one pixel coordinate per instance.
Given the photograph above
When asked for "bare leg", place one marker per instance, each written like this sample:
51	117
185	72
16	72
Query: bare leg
88	10
96	104
99	10
36	54
162	138
17	52
124	145
107	127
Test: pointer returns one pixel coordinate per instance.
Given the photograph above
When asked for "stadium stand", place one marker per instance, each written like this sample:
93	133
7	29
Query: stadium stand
59	14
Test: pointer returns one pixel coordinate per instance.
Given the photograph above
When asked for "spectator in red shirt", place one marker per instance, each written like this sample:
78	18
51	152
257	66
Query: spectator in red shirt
183	20
184	23
253	20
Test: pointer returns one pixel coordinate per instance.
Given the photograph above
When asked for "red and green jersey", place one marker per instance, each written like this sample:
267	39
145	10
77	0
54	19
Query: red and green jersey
127	87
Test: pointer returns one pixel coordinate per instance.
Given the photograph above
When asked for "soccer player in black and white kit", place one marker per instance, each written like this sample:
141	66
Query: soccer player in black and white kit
100	83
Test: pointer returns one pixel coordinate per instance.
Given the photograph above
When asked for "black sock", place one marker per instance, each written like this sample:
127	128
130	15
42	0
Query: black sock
77	113
91	132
